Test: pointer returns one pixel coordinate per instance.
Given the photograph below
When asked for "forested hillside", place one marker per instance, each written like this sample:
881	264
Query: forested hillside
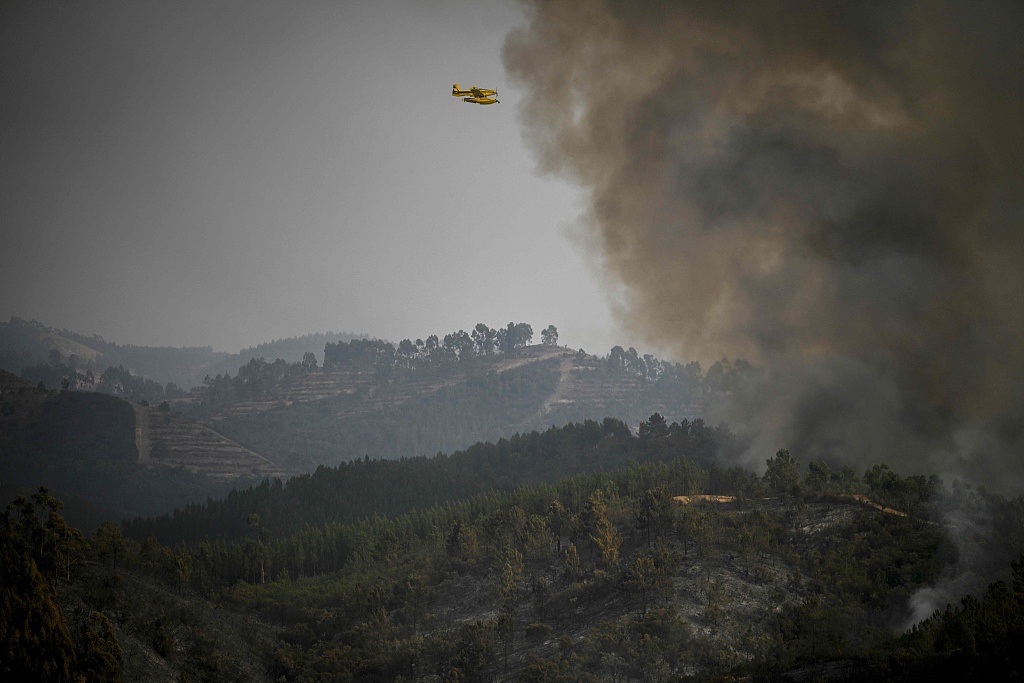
362	489
83	445
606	549
805	572
405	415
371	398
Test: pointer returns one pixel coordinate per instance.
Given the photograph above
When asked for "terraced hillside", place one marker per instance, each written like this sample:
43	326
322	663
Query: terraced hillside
165	440
327	416
364	384
587	386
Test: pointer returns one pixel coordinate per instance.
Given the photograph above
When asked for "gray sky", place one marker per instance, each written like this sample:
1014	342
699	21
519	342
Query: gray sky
225	173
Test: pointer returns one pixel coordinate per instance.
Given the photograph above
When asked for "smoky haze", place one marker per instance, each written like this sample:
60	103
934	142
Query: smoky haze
832	191
226	173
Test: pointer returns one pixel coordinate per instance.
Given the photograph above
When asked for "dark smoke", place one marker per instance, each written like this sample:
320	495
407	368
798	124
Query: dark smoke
830	190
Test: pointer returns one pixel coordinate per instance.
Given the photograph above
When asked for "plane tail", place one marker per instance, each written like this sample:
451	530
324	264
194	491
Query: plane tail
455	90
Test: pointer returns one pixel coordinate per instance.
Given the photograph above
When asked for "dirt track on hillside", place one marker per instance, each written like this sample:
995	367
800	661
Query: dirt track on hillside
563	386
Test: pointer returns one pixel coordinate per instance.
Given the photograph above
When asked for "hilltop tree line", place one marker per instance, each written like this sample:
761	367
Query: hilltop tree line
686	382
258	375
253	379
454	347
480	405
363	488
70	374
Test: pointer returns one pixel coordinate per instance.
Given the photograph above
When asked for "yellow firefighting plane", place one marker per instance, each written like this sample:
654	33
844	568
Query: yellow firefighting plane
476	95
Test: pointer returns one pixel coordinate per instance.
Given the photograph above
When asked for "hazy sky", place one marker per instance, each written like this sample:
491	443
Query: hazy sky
225	173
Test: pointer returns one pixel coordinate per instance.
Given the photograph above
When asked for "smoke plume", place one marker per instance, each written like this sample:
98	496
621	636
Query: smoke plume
832	191
967	519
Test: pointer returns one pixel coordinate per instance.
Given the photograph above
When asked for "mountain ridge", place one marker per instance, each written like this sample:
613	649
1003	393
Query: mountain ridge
24	343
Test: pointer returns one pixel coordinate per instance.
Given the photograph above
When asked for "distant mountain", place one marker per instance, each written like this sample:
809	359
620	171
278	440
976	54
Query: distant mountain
26	343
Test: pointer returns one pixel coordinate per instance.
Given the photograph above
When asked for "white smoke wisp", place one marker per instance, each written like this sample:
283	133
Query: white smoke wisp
967	521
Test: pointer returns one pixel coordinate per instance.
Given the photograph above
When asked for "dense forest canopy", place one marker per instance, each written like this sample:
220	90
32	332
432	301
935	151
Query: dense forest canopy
592	577
363	488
